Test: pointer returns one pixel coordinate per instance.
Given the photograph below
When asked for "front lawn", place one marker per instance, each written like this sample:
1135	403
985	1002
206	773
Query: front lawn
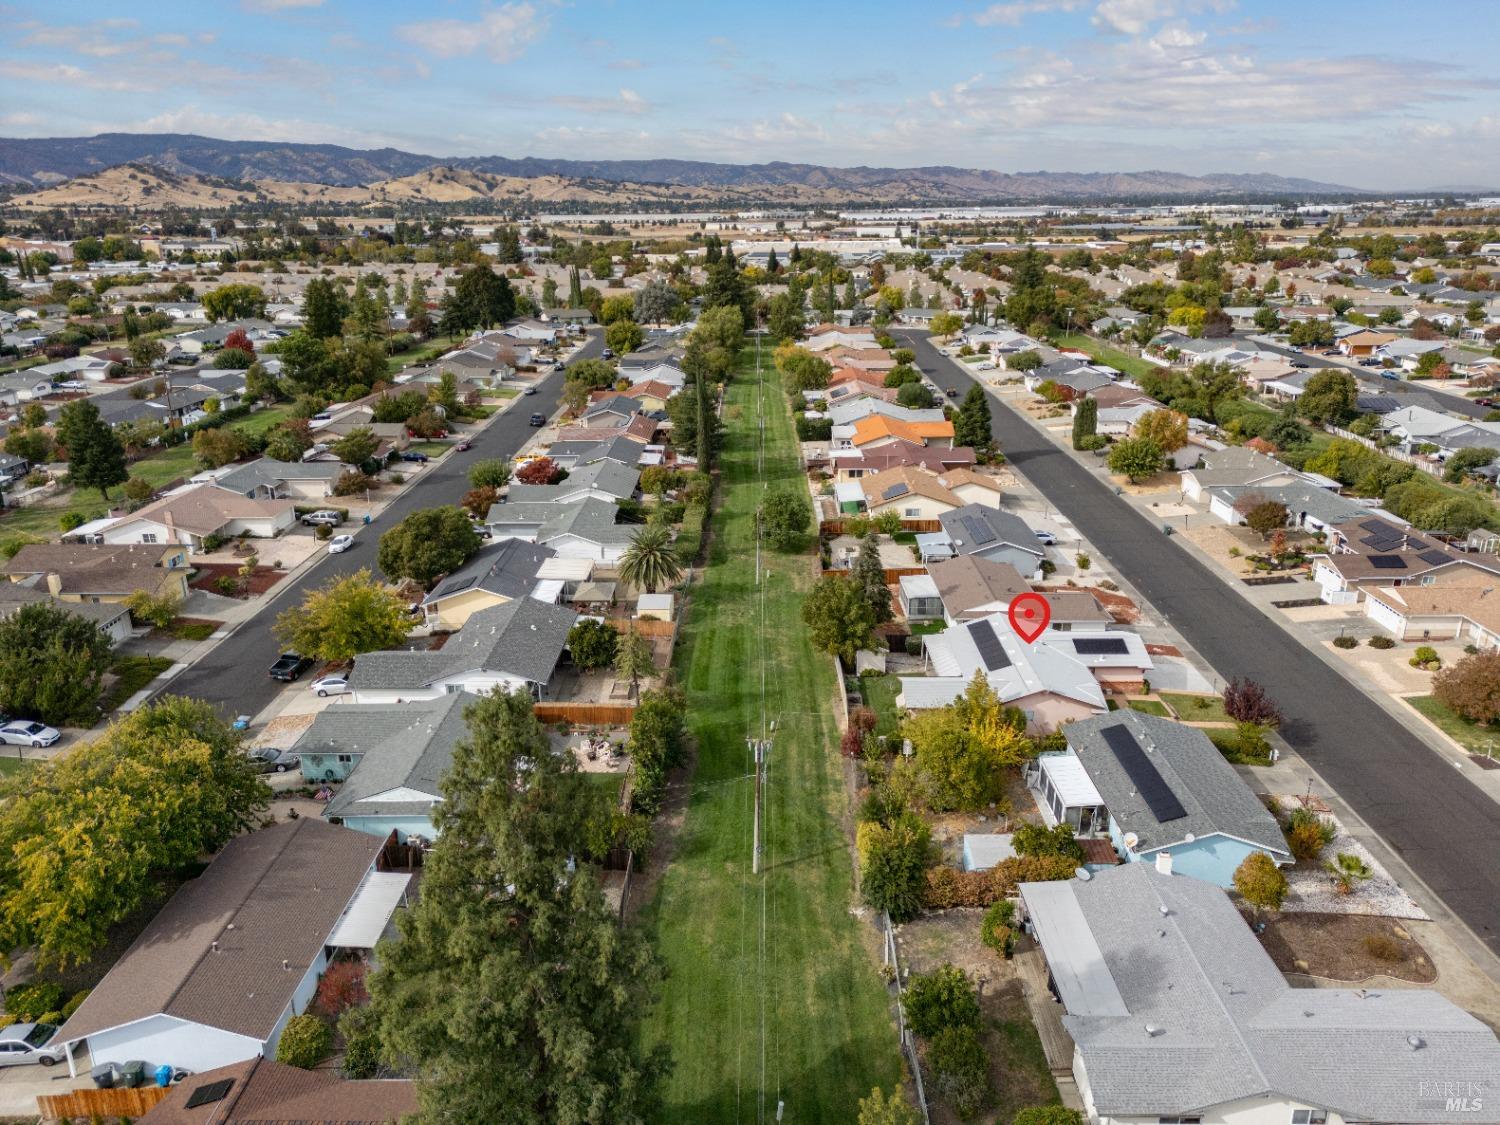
1478	737
1196	708
1148	707
132	674
431	448
1227	739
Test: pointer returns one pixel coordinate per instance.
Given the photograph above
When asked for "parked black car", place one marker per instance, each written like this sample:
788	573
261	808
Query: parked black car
289	666
418	458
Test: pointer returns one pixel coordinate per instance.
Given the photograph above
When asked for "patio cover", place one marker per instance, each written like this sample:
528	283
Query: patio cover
367	916
1084	982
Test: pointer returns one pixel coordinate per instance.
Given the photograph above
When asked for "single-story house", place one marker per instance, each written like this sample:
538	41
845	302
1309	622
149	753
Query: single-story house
1155	786
586	529
604	480
110	618
876	430
261	1089
1377	552
268	479
1307	505
12	469
619	449
1231	466
510	647
1177	1013
851	464
216	975
100	572
994	535
23	386
497	574
914	493
1455	605
1364	342
191	514
1051	687
972	487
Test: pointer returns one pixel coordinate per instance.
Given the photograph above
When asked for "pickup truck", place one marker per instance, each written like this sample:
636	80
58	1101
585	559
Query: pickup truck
289	666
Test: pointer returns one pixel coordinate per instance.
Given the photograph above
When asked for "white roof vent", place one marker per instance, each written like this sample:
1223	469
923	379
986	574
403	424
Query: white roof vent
1154	1030
1415	1042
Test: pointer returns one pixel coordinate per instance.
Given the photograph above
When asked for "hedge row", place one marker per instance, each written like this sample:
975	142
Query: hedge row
948	886
690	537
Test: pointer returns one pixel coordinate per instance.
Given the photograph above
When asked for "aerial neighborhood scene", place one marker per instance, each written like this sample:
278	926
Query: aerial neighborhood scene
883	566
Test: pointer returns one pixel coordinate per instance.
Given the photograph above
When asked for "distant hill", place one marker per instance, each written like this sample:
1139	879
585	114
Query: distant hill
41	162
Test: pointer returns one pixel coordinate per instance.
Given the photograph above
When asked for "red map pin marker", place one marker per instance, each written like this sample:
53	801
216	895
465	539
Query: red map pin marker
1029	614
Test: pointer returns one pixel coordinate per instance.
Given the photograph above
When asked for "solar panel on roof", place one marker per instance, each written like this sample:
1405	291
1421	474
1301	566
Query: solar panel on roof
1100	646
990	649
1143	774
1387	562
207	1095
979	531
1434	557
1381	542
895	490
1376	526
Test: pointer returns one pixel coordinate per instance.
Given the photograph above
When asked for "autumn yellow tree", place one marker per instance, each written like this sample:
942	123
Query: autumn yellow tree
345	617
1167	428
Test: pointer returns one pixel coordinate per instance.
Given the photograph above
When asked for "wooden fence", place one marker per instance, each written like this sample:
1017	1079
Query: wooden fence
836	526
100	1103
893	574
586	714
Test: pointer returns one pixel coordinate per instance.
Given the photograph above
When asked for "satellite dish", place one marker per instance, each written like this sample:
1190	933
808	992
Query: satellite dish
1131	840
1189	838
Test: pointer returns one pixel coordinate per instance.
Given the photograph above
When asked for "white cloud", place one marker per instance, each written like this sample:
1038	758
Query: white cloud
1131	17
253	127
627	102
1012	12
58	72
502	33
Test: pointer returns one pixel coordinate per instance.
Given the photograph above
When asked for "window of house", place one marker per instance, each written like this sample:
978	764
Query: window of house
148	537
346	758
1309	1117
913	513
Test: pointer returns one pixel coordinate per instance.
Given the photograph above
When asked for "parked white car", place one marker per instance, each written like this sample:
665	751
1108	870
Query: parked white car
23	1043
1047	538
339	544
24	732
330	685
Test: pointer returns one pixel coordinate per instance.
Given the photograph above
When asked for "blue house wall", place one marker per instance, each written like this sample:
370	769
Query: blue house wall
1210	858
403	826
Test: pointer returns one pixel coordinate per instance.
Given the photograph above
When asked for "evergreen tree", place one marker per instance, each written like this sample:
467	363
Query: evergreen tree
704	389
416	301
869	575
1085	421
514	992
725	287
971	426
851	294
773	265
510	247
575	289
481	299
825	300
96	458
322	309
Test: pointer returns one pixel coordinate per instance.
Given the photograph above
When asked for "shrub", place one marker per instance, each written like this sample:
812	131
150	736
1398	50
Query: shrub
75	1002
1425	657
1381	642
1345	642
1260	882
1047	1115
1034	840
212	543
69	520
942	999
227	585
361	1044
1383	947
352	482
341	987
947	887
892	860
1091	442
305	1042
1307	834
29	1002
996	929
861	722
1246	701
960	1070
322	532
1471	687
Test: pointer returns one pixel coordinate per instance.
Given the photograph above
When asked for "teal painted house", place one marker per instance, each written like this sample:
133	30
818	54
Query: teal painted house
1159	792
388	760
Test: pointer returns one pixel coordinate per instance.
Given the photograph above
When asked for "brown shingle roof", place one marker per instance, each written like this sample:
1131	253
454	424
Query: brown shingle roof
263	1092
93	568
270	896
205	509
916	480
966	581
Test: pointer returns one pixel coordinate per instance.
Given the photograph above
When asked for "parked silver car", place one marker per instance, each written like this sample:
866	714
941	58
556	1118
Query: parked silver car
24	1043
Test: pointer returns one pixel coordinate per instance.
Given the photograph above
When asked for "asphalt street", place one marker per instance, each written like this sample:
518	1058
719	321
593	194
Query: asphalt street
1442	826
1370	381
234	677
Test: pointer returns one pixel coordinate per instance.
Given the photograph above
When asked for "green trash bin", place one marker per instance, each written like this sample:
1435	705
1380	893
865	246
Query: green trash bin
132	1074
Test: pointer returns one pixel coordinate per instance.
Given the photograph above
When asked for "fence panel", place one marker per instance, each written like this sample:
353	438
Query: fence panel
586	714
100	1103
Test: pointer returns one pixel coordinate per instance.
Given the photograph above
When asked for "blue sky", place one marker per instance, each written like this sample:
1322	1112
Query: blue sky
1379	93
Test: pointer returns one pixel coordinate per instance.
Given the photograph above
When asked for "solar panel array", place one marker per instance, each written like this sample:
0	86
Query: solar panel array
1100	646
1387	562
1375	527
1143	774
990	649
895	490
1434	557
207	1095
979	531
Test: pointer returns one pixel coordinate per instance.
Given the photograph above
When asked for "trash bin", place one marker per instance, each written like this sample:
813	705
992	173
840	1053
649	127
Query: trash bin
164	1075
105	1075
132	1074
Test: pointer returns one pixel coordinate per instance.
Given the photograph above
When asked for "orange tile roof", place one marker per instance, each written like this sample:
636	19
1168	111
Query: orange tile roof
873	427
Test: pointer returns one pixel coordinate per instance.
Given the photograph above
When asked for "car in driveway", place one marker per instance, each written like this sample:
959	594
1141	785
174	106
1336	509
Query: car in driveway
1485	402
323	517
70	385
1369	362
336	684
24	1043
339	544
1045	537
26	732
290	666
555	367
415	457
271	759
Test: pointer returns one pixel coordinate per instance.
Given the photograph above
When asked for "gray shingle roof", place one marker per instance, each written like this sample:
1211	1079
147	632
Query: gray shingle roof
102	614
522	638
507	569
409	746
1007	528
265	472
609	477
1225	1024
1215	798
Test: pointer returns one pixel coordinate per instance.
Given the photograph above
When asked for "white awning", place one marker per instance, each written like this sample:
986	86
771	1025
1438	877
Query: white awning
549	590
1082	976
368	915
569	570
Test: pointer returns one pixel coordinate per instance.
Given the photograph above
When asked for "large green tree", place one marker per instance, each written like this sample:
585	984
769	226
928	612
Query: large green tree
428	544
869	574
971	425
234	302
323	309
649	562
96	458
481	299
838	617
785	516
344	617
1330	396
1085	421
514	993
90	834
51	664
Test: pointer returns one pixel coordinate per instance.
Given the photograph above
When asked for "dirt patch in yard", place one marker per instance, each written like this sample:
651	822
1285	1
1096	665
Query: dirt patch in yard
207	578
1345	947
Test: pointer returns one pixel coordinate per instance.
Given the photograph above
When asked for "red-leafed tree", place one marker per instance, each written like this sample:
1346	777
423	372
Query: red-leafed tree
239	341
1246	701
342	986
543	470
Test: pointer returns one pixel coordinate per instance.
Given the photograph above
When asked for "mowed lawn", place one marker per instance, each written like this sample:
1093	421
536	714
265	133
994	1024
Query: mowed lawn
771	994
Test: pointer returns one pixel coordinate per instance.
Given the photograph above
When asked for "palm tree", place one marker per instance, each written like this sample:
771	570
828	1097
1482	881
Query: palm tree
1347	870
649	561
633	658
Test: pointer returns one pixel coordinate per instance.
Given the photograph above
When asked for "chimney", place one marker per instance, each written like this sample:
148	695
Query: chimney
1164	863
54	583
